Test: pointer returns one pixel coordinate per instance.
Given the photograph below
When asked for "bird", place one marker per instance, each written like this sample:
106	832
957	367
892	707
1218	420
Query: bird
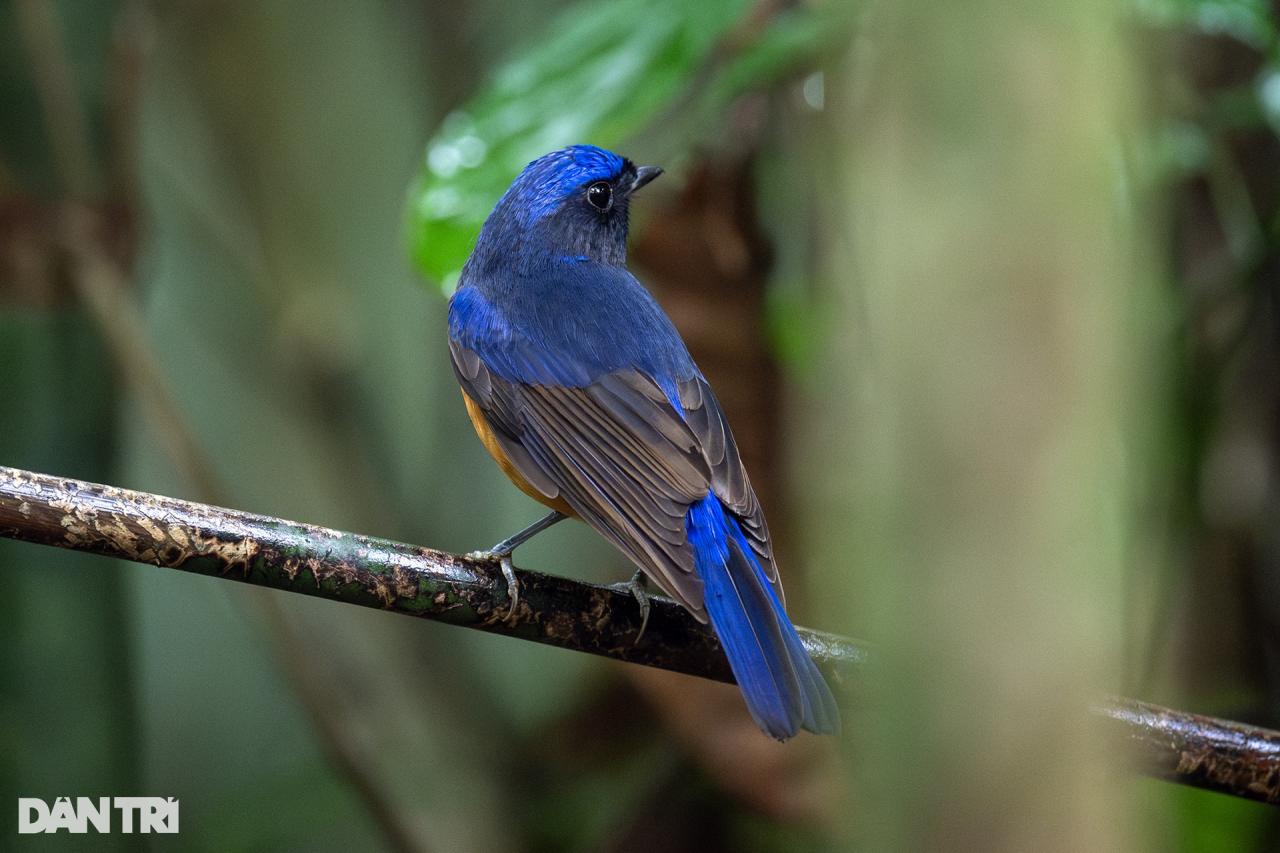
583	392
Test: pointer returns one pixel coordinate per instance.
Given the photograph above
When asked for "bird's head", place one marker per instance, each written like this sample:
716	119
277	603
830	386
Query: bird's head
570	205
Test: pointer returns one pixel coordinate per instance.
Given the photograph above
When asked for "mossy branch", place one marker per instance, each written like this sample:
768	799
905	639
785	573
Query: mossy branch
1199	751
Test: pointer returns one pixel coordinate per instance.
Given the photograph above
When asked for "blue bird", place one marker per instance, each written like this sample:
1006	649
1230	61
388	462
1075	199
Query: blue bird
583	392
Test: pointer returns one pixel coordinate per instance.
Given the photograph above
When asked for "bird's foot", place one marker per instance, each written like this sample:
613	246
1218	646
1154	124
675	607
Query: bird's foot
638	587
503	558
501	553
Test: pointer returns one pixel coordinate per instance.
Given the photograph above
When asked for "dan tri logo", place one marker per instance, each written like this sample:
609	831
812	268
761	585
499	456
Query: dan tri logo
102	814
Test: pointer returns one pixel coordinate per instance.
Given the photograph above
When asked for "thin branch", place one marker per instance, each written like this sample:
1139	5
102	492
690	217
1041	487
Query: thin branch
1203	752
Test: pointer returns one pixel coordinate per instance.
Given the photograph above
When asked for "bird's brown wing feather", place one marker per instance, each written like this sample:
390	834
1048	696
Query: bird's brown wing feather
628	464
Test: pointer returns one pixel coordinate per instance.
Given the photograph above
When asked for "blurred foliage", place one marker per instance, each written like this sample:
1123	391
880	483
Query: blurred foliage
974	457
272	148
1250	21
1208	642
67	690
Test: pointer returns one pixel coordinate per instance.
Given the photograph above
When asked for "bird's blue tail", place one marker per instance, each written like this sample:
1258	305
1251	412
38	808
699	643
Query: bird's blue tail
784	690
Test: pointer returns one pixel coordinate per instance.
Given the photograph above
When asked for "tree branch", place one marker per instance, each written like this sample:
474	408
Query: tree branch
1203	752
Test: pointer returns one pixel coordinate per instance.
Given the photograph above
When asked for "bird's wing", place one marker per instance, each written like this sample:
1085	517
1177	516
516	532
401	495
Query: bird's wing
621	456
729	479
615	450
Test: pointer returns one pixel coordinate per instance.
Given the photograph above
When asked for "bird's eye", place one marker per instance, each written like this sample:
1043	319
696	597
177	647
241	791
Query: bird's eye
600	194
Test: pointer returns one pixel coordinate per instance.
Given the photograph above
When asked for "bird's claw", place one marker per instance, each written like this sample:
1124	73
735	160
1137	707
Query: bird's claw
638	588
513	585
503	559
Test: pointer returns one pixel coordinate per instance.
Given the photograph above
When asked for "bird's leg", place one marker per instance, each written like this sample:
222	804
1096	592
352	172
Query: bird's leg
503	550
638	587
506	546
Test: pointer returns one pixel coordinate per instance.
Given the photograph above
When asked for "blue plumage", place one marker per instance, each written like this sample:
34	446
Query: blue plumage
591	402
782	687
567	324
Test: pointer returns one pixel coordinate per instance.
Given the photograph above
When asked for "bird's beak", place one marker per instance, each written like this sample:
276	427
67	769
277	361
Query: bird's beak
644	175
